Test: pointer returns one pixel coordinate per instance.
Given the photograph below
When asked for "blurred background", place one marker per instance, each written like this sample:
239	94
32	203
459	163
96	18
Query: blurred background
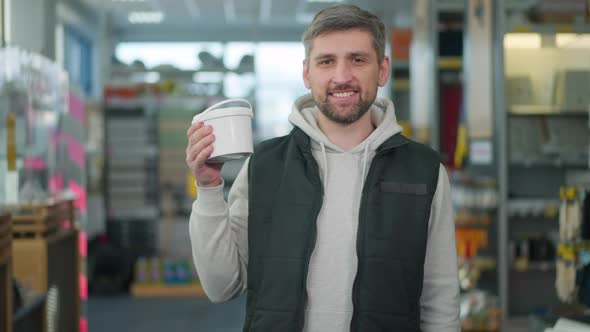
96	97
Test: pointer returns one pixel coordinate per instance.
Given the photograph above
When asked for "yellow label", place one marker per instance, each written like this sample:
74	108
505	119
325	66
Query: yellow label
568	193
566	252
11	141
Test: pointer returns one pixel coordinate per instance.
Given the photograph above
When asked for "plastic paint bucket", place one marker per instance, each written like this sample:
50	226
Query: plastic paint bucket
232	127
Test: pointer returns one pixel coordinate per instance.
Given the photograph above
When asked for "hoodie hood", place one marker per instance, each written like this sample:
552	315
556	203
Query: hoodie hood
305	113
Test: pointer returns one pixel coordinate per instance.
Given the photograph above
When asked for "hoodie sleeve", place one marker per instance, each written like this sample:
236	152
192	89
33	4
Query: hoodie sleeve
219	238
440	294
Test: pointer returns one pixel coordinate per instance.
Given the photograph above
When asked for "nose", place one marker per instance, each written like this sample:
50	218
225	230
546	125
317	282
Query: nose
342	72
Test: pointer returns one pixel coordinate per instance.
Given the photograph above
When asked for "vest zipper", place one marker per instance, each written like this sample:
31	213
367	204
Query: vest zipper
359	241
317	208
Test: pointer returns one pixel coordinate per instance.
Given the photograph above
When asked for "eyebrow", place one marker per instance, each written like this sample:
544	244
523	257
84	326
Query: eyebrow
350	55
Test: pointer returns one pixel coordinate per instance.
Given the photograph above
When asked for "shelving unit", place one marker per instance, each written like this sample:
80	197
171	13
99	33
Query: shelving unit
540	142
132	172
5	272
448	65
175	118
46	257
159	290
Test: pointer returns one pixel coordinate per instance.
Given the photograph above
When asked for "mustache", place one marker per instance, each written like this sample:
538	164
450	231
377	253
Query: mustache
343	87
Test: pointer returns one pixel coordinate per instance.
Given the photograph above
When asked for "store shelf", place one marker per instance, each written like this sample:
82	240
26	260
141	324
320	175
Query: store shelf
551	28
544	110
5	272
398	64
561	163
466	220
535	267
450	63
485	263
160	290
122	104
526	207
174	72
401	84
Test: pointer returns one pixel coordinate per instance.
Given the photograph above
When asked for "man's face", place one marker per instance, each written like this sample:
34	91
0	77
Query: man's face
343	73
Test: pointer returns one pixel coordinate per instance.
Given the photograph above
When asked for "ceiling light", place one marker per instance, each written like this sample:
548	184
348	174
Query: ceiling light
150	77
522	40
572	40
325	1
208	77
145	17
128	0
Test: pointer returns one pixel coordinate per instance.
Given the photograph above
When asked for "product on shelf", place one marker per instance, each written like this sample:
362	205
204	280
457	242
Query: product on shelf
164	271
33	99
480	312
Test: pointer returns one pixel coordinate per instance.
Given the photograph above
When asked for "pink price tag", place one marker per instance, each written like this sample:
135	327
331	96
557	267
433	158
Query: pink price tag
83	287
83	324
76	152
76	109
56	182
82	245
80	192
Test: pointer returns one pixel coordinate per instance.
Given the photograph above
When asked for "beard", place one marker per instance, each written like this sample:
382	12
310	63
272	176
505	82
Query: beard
359	109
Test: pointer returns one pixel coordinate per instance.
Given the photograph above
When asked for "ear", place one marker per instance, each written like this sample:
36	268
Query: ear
306	74
384	71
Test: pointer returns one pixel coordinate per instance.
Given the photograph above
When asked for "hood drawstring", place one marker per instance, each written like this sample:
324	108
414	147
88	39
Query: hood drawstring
364	174
325	158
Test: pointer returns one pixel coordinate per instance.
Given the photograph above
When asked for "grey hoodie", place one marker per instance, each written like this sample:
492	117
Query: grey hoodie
218	232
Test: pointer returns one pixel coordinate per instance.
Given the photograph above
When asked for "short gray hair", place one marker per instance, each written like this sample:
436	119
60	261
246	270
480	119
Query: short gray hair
342	18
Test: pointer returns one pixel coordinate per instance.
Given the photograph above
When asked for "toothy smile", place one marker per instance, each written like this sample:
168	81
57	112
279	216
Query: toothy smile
343	94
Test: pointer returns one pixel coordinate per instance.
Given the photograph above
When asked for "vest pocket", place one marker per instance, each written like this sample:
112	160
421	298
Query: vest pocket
404	188
395	215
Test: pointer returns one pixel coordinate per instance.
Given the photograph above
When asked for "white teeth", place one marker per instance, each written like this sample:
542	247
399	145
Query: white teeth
343	94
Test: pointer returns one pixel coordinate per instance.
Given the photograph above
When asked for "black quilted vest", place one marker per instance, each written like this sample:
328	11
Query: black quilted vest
285	197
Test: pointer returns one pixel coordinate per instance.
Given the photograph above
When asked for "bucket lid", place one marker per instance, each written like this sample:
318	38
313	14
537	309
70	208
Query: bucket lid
208	114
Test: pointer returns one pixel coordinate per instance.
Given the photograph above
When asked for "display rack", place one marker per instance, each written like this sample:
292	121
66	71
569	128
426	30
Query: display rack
541	139
193	290
163	277
132	172
46	256
448	64
5	272
175	118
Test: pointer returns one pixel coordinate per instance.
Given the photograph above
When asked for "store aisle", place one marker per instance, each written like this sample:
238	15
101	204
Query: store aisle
128	314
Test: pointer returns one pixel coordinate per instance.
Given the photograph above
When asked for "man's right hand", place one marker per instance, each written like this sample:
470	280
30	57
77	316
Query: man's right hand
200	147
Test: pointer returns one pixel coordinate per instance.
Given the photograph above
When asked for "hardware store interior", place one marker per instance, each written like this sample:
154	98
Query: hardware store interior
95	194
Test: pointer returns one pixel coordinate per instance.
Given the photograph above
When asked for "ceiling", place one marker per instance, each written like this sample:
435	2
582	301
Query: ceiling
245	20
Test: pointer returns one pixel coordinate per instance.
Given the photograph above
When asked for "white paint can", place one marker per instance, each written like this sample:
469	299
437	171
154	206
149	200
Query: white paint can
232	127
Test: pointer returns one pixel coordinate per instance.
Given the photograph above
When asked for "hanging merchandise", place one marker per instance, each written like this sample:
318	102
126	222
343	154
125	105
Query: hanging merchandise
585	227
461	147
583	277
573	264
13	106
32	94
565	282
569	215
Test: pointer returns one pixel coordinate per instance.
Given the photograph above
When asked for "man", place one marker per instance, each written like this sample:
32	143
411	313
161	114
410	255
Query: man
342	225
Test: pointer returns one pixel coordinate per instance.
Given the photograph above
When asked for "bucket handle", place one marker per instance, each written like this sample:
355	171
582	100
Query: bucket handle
223	102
